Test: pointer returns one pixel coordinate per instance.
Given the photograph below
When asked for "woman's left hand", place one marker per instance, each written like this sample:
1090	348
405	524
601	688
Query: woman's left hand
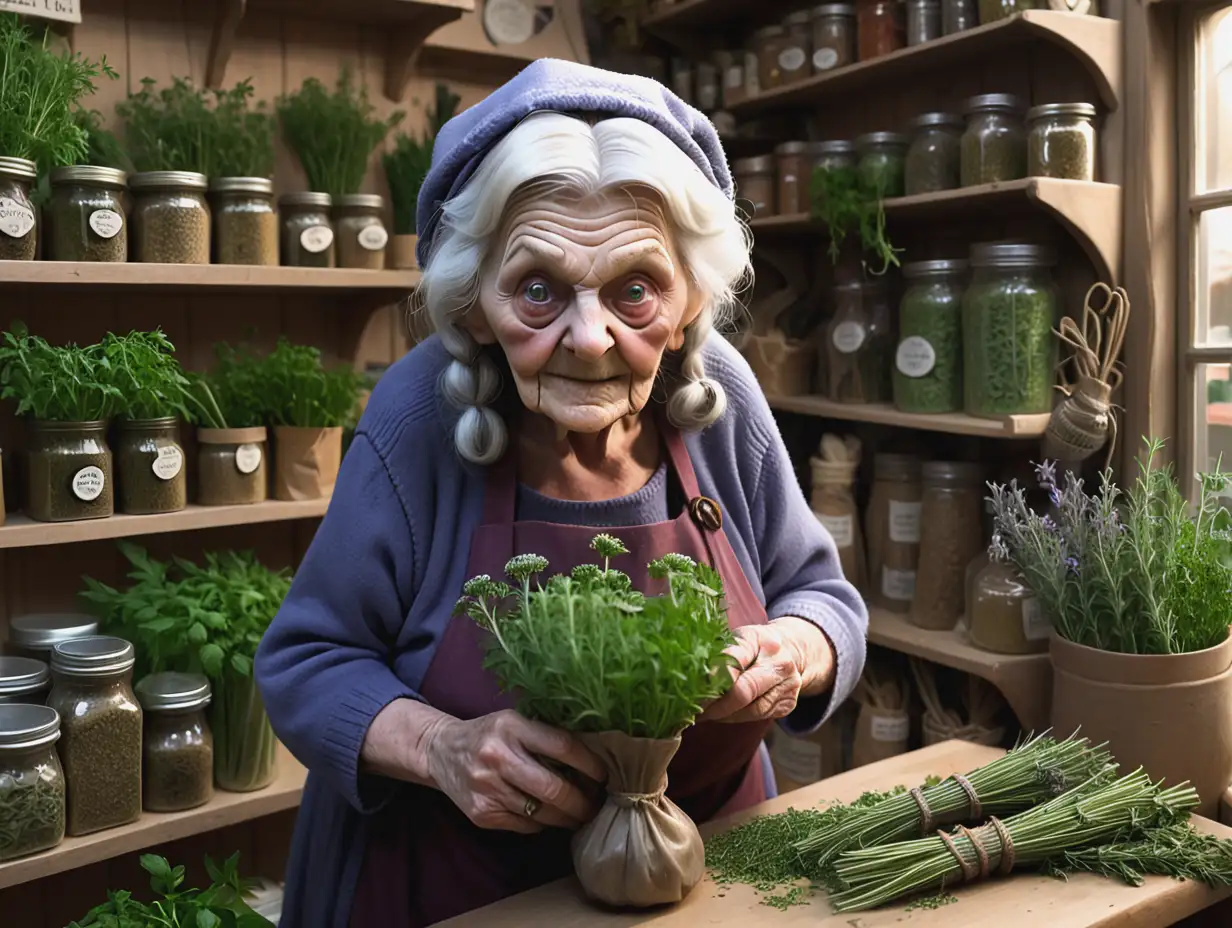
776	664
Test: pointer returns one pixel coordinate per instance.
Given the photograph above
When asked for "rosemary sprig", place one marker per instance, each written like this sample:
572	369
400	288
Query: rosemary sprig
1178	850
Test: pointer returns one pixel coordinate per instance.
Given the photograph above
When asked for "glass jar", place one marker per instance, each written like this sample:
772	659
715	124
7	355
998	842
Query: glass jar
708	97
992	11
797	49
1003	614
755	183
101	743
307	233
24	680
682	79
1061	141
18	217
856	347
958	16
923	21
892	526
361	232
85	215
834	155
1009	350
769	43
245	749
932	161
31	781
734	80
35	635
950	530
834	36
883	162
232	466
752	72
928	361
177	747
994	145
880	28
793	171
171	219
834	504
150	466
68	472
245	221
981	560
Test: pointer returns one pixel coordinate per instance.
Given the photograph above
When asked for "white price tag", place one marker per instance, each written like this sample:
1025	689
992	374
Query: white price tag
1035	624
841	529
848	337
824	59
890	728
898	584
106	223
247	458
168	462
796	758
16	219
792	59
373	237
88	483
905	522
915	356
316	239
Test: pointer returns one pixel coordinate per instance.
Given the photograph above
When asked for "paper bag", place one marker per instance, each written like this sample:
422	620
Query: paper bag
306	462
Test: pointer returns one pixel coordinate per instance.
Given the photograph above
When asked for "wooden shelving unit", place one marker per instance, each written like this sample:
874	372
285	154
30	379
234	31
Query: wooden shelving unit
700	15
953	423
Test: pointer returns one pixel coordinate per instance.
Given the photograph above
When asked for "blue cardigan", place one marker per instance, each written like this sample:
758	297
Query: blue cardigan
376	588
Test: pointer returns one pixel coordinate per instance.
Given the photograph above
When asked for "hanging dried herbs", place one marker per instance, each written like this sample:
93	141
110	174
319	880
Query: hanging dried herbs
849	206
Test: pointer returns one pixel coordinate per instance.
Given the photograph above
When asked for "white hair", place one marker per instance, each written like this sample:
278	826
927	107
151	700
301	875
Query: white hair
569	153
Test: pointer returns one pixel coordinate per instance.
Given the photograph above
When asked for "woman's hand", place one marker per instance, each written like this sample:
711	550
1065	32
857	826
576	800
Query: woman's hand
776	664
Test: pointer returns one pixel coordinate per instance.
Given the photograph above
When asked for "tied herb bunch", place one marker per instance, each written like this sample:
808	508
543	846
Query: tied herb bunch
588	653
850	204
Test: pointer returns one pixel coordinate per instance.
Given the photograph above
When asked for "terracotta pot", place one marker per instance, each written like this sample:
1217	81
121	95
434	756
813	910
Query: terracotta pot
306	462
1168	713
402	252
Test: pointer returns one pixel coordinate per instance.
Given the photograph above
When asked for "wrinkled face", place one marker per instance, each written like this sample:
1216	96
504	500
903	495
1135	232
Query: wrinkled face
584	299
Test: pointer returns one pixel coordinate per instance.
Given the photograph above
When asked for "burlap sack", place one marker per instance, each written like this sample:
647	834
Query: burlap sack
880	733
641	849
306	462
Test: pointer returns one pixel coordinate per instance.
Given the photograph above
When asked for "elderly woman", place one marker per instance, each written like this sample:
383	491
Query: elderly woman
579	242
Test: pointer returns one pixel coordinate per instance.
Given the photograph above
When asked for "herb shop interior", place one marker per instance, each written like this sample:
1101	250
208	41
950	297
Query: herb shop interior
972	255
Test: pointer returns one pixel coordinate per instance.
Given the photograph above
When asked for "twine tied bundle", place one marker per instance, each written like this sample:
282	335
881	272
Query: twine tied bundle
981	701
883	726
834	476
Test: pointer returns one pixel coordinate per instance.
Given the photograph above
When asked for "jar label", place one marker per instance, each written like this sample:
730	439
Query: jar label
16	219
247	458
752	81
841	529
890	727
848	337
316	239
106	223
88	483
168	462
792	59
824	59
1035	624
905	522
796	758
915	356
373	237
898	584
733	78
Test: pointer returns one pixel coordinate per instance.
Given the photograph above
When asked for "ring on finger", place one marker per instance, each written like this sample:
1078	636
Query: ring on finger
531	807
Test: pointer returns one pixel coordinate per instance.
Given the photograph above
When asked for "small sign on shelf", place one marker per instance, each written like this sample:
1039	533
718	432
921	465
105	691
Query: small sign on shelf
65	11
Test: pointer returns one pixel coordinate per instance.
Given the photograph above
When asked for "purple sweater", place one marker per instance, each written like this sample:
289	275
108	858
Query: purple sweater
377	586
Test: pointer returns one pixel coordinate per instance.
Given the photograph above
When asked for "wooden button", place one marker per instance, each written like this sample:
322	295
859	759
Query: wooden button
706	513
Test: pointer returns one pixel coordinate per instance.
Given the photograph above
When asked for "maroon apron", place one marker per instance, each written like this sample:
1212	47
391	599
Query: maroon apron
424	861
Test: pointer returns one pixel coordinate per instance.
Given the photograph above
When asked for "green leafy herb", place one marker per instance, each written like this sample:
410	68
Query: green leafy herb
149	377
298	389
56	383
103	148
407	165
848	206
1179	851
231	395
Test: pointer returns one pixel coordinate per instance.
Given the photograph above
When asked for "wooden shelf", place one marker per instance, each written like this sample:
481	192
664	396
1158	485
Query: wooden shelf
1092	40
954	423
699	14
1025	680
22	532
157	828
1090	212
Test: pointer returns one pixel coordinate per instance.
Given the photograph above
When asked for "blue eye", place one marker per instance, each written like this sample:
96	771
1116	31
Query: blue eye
538	292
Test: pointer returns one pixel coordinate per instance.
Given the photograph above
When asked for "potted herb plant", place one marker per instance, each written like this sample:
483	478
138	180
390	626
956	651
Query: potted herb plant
1138	594
67	395
231	433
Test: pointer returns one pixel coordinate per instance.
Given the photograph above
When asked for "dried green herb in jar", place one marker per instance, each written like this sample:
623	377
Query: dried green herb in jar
1061	141
178	760
171	220
245	221
31	781
928	362
307	231
994	145
18	216
933	158
882	163
86	214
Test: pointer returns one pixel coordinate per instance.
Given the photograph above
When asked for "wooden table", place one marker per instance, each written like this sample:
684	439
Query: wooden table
1022	901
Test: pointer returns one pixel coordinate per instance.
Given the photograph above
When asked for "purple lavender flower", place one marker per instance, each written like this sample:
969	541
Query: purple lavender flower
1049	525
1072	564
1046	474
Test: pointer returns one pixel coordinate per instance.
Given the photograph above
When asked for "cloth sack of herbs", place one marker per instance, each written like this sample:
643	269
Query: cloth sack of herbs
627	674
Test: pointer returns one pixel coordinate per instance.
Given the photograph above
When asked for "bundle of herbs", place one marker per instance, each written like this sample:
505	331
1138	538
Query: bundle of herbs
57	383
848	206
407	164
103	147
151	381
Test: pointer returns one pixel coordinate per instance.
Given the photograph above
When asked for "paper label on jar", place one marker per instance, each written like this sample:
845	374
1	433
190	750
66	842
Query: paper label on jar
796	758
915	356
752	82
733	77
792	59
88	483
16	219
841	529
247	458
1035	624
316	238
898	584
168	462
106	223
890	728
373	237
824	59
905	522
848	337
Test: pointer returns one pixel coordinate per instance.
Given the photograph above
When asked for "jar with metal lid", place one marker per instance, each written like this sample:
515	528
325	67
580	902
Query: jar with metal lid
958	16
734	79
880	28
1003	614
101	735
892	530
928	360
35	635
994	145
755	183
992	11
177	749
798	48
834	155
150	472
933	158
24	680
857	346
245	221
361	232
769	43
982	559
171	219
85	215
707	80
31	781
834	36
307	232
682	79
883	162
952	499
68	471
1061	141
1009	350
923	21
18	218
794	173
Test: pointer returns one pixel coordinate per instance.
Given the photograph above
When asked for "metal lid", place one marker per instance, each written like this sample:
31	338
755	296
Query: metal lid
769	32
936	119
762	164
42	631
1012	254
924	4
101	655
896	466
833	147
23	726
791	148
305	198
1082	110
88	174
360	201
936	267
799	18
183	180
952	472
161	692
881	138
993	102
22	675
835	9
18	167
259	185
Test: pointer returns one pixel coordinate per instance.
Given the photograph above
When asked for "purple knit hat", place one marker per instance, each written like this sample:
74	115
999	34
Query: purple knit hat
564	87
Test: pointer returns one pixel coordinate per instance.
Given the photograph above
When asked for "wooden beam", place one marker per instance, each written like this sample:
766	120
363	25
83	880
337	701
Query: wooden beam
407	42
222	40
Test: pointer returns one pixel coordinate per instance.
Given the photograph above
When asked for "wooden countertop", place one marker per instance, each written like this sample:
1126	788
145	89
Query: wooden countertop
1022	901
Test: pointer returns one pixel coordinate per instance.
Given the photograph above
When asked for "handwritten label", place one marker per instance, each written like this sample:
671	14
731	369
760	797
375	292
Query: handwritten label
168	462
796	758
898	584
792	59
915	356
508	22
316	239
824	59
16	219
88	483
841	529
890	728
247	458
905	522
848	337
1035	624
106	223
373	237
65	11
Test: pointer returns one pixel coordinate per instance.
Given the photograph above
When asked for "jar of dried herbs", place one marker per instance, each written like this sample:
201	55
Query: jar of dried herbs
31	781
36	634
733	79
361	231
923	21
150	466
755	183
880	28
1009	350
953	496
932	161
18	217
232	466
178	749
856	347
171	219
85	216
834	155
992	11
883	163
1003	614
1061	141
682	79
101	736
958	16
797	48
834	36
707	86
245	221
794	174
307	232
892	528
769	43
994	145
24	680
928	360
68	472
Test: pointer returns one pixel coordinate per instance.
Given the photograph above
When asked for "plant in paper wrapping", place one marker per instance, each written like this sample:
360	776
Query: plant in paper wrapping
626	673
